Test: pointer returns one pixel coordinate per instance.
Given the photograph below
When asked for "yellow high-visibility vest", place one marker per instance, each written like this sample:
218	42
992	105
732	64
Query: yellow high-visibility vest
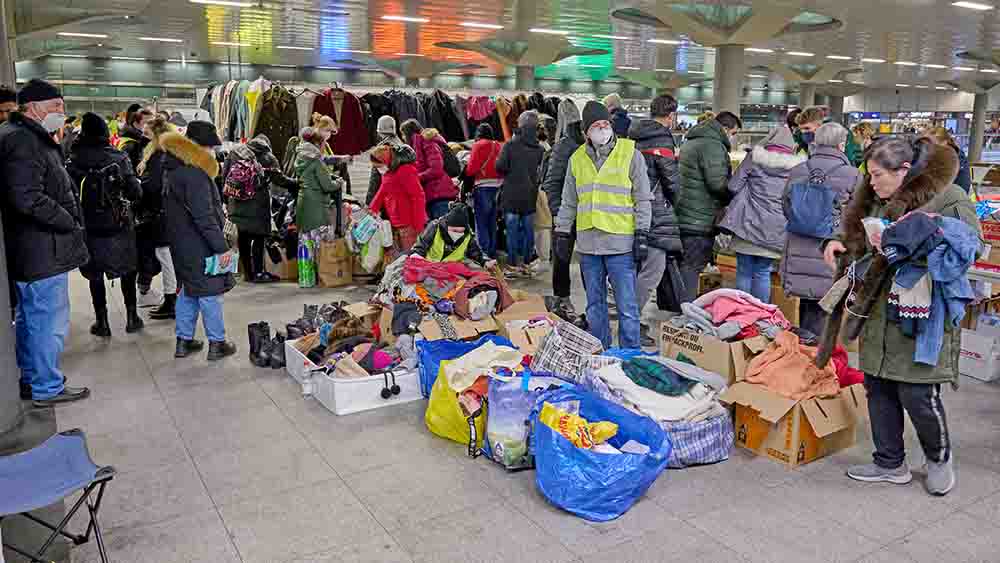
436	253
605	196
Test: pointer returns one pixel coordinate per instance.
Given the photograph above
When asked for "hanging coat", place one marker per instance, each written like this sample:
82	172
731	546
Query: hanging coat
352	134
279	119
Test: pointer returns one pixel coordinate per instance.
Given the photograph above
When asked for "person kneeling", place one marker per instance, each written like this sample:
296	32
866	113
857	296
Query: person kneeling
449	239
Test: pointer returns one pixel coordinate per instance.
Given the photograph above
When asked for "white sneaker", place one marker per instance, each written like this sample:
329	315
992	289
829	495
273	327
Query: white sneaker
151	298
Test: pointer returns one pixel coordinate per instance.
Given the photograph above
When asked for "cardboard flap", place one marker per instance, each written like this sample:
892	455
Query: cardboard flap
532	306
756	344
770	405
362	310
856	399
827	416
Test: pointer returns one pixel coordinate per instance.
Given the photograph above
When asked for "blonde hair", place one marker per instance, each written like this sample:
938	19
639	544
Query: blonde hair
158	126
706	116
940	135
320	121
863	131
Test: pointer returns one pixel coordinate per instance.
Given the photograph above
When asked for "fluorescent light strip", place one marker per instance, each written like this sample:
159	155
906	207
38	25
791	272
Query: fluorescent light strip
68	56
871	60
935	66
989	70
905	63
835	81
628	68
229	3
616	37
478	25
800	54
182	60
972	6
940	87
405	19
696	72
354	51
962	68
294	48
409	55
328	67
284	66
590	66
920	86
128	59
230	44
756	76
548	31
664	41
664	70
91	35
161	39
758	50
839	57
903	85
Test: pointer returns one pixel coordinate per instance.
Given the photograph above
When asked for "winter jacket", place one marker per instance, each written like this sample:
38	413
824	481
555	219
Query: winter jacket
518	164
437	185
149	211
194	215
804	273
596	241
620	122
964	178
755	213
555	172
312	210
42	219
657	146
132	142
482	162
253	216
400	193
423	245
278	118
345	109
113	254
704	171
374	178
441	116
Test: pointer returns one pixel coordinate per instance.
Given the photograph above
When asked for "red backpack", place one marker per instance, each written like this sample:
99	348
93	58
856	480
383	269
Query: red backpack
241	182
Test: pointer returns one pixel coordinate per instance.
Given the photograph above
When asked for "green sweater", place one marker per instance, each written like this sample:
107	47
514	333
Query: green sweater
704	178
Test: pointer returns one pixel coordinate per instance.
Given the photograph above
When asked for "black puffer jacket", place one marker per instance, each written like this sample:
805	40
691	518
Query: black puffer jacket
42	219
518	163
112	253
194	216
657	146
149	211
132	142
555	175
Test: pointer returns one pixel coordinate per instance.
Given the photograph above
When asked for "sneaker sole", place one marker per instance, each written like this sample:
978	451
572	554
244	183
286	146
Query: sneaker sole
894	479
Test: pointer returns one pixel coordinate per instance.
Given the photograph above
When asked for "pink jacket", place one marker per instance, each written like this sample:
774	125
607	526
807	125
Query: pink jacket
437	184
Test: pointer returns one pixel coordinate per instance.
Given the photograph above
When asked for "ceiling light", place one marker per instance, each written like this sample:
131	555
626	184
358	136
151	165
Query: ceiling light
839	57
940	87
696	72
405	19
664	70
128	58
182	60
756	76
481	25
360	52
327	67
230	3
963	68
973	6
617	37
409	55
903	85
758	50
835	80
590	66
68	56
294	48
870	60
664	41
283	66
628	68
74	34
905	63
800	54
549	31
161	39
935	66
989	70
230	44
920	86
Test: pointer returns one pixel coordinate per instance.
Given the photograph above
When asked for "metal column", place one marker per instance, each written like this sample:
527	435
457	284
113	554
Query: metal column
524	79
8	75
807	94
837	108
10	400
728	85
978	129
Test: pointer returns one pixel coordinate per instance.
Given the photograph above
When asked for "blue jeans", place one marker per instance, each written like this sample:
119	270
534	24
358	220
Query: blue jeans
484	201
42	320
520	237
753	275
439	208
210	307
620	269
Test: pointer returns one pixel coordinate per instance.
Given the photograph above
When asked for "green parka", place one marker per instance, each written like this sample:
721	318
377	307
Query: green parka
704	178
317	187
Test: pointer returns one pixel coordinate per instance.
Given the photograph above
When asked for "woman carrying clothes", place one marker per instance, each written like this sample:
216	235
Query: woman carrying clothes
429	146
399	194
755	216
902	177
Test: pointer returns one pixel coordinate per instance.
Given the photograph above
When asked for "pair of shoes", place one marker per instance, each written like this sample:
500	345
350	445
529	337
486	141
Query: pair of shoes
149	298
68	395
266	277
645	340
133	322
219	350
940	475
101	328
26	389
260	343
166	310
187	347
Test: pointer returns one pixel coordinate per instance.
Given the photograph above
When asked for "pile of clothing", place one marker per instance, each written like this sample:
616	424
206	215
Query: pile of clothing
469	375
788	368
731	315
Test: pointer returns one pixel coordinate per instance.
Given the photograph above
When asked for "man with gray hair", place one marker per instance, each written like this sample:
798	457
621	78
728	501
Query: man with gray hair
804	274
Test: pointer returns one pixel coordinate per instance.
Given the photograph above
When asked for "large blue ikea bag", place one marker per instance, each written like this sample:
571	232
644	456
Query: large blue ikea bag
431	352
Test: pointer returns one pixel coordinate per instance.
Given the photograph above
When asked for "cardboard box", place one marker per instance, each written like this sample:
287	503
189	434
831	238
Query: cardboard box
709	282
728	359
334	264
286	270
991	235
368	313
789	305
980	355
511	322
466	329
794	432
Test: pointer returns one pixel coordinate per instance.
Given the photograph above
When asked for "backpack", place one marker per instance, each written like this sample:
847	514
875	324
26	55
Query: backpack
242	179
810	206
106	210
451	164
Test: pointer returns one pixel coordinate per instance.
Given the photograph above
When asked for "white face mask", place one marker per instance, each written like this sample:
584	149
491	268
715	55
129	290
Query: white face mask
456	234
600	137
53	122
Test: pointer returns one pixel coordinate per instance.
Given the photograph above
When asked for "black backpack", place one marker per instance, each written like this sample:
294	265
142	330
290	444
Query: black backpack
451	164
106	210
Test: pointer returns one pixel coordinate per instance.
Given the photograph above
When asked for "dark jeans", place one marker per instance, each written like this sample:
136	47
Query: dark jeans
886	402
251	254
520	238
147	240
99	296
437	209
484	200
338	200
697	254
812	317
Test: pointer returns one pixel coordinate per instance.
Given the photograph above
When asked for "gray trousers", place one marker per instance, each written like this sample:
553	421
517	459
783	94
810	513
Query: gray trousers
649	276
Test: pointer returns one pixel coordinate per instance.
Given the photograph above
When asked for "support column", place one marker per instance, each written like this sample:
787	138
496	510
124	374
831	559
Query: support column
524	78
411	82
8	76
836	108
727	87
10	399
807	94
978	128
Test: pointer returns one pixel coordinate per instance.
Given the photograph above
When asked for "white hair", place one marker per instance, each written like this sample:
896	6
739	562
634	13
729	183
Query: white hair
830	135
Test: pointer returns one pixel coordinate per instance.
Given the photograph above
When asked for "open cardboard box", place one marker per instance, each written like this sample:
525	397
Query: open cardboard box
466	329
728	359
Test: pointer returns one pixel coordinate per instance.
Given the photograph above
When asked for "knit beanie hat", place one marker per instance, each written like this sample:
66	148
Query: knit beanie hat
93	126
594	112
458	216
485	131
203	133
38	90
780	139
386	125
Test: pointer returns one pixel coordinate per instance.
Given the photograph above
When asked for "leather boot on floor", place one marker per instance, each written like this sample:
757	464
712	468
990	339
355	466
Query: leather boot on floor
187	347
278	351
260	335
133	322
221	349
101	327
166	310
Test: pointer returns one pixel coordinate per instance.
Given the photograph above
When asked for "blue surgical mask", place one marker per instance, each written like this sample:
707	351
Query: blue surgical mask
808	137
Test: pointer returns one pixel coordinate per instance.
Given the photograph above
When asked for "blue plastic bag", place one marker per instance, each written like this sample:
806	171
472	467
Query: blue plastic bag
431	352
595	486
508	423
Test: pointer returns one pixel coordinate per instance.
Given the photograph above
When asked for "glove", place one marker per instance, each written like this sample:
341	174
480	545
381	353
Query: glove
562	246
640	247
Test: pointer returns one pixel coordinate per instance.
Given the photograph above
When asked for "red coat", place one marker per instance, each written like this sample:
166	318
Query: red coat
402	197
352	132
483	160
437	184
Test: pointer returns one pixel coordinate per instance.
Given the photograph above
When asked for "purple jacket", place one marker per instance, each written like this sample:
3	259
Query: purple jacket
436	182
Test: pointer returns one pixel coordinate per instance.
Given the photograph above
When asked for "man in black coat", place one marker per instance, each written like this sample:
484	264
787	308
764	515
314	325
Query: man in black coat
654	139
519	163
194	223
44	239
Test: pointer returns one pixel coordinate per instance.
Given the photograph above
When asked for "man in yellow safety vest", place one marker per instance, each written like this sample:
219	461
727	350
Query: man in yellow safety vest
451	239
607	195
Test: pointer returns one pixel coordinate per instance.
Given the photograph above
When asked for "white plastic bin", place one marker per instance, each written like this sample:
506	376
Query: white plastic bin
296	363
347	396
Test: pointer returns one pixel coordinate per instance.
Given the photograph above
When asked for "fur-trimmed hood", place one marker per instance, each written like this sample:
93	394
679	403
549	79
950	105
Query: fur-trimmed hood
190	153
432	134
774	160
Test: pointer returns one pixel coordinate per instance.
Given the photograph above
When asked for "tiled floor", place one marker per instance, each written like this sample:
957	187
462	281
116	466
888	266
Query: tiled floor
226	463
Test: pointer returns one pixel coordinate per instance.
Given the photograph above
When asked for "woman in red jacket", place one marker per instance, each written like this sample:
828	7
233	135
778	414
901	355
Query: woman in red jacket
428	144
400	194
482	168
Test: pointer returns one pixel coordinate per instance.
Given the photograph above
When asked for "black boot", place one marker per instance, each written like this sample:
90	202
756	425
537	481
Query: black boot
166	310
101	327
133	322
260	336
187	347
278	351
221	349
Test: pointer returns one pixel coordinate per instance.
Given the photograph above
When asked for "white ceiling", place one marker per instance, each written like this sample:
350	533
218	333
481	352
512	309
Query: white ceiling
927	32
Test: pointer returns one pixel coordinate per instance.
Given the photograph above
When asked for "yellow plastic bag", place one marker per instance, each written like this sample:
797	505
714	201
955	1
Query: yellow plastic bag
444	415
576	429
